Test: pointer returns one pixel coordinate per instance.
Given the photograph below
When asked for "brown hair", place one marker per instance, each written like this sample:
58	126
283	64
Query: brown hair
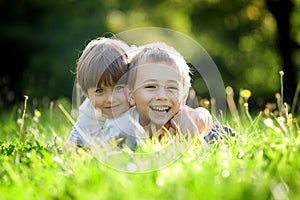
103	61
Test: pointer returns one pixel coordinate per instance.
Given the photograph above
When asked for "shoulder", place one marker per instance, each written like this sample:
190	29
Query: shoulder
128	122
88	112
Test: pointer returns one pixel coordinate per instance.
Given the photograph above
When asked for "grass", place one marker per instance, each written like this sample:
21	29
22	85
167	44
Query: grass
261	162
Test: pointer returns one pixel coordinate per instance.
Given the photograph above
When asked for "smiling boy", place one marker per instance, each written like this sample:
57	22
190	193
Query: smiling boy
159	82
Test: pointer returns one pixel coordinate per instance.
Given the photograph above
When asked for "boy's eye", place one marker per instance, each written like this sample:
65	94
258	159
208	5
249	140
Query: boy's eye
172	88
150	86
99	91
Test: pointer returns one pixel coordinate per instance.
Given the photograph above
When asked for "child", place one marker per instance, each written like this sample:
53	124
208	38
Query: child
102	75
146	86
159	82
96	61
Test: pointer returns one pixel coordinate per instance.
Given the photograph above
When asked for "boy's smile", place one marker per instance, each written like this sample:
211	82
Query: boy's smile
157	93
160	108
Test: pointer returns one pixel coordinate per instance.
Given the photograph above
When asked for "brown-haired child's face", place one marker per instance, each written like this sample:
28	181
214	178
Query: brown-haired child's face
110	100
158	93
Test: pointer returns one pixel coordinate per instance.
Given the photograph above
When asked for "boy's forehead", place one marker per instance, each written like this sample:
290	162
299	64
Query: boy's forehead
152	67
158	71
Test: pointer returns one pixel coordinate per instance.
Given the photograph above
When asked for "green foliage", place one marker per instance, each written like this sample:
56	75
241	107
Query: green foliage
46	37
261	162
240	36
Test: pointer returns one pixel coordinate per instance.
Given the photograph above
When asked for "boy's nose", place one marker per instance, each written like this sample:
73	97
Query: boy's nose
161	93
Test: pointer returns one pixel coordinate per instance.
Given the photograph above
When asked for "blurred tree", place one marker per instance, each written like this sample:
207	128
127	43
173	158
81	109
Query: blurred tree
241	36
241	41
41	41
45	39
282	10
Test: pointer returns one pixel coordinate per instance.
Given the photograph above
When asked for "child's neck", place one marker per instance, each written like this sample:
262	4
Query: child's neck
153	129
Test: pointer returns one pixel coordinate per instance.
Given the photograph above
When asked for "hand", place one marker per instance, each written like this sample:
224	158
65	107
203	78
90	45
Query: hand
196	120
203	120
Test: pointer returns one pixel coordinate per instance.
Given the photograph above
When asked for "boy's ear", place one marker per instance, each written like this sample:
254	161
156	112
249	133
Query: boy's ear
130	99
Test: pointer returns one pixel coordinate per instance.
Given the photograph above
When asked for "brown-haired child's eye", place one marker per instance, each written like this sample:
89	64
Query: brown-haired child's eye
100	91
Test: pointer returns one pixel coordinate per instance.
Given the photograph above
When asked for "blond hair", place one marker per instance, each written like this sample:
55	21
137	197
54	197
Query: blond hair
159	52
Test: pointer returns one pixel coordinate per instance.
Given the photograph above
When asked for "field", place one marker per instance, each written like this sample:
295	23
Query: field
262	161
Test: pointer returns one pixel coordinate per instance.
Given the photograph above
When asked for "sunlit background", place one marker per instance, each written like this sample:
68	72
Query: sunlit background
250	41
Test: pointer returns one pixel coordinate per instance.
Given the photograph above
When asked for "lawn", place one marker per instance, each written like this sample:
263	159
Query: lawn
262	161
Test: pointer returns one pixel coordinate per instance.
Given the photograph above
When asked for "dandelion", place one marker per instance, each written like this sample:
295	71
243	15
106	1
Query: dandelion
37	115
266	111
290	120
245	93
281	73
204	103
270	107
80	150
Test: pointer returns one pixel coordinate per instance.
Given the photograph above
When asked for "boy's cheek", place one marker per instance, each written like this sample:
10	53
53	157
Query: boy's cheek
183	101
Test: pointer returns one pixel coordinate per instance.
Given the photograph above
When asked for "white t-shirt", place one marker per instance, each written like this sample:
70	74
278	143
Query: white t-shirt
92	126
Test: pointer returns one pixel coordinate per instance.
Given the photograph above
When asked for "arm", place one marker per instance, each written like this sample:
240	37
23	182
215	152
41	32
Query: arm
196	120
125	126
74	140
87	123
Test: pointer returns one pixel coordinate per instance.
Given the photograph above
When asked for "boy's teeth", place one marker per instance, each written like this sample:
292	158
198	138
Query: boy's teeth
160	108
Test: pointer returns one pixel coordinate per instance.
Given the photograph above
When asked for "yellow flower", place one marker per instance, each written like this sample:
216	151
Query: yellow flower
80	150
277	95
37	113
204	103
290	119
245	93
266	111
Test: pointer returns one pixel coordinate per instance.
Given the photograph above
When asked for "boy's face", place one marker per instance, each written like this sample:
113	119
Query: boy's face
158	93
110	100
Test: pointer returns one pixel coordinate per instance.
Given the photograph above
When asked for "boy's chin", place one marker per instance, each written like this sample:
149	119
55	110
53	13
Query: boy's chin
159	123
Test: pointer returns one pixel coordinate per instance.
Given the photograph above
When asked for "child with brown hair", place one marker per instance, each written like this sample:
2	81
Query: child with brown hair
102	76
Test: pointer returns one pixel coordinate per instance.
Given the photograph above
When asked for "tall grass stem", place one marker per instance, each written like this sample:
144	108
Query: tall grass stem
294	104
